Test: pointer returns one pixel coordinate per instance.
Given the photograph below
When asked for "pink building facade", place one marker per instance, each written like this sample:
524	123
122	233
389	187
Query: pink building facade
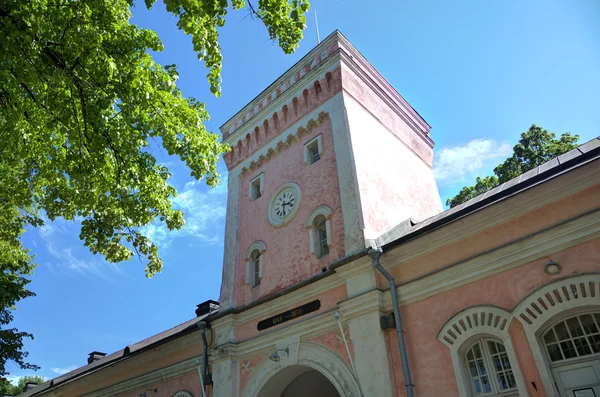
329	176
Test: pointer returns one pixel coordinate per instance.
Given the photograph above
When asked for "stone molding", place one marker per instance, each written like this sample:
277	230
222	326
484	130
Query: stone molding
471	324
536	312
311	355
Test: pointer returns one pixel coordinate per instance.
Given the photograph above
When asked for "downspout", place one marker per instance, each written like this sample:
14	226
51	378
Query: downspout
375	254
202	326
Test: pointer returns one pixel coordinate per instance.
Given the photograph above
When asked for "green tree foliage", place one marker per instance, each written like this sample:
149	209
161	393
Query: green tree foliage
82	104
535	147
7	388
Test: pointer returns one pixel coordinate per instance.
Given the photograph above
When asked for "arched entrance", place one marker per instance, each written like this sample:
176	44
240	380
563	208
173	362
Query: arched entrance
299	381
562	324
308	369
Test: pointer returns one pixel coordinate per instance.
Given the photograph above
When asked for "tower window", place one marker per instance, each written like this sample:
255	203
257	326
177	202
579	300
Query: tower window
313	150
322	245
254	263
255	268
318	225
256	187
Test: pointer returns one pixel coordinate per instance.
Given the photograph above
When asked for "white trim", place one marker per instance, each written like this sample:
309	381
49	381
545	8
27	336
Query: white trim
257	245
261	248
322	210
536	316
462	329
261	181
319	140
298	197
307	354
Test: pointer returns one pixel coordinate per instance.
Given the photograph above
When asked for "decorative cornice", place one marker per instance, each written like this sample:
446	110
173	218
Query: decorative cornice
277	146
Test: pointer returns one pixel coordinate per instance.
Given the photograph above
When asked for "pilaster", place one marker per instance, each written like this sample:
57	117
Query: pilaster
371	359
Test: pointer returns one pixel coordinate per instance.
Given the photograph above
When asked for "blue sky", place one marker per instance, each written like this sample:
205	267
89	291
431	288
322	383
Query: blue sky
480	73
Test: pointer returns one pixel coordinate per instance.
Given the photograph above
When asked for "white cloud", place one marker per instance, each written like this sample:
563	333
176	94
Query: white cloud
204	213
62	371
454	164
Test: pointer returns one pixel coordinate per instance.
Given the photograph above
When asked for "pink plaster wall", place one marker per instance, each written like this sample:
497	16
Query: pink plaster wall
252	362
486	239
189	382
394	178
287	259
328	300
333	343
430	362
526	361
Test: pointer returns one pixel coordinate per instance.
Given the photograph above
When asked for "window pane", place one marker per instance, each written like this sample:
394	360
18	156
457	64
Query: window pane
568	349
549	337
477	351
505	362
582	347
561	331
473	369
502	382
588	324
554	352
477	386
481	367
492	346
595	343
470	355
511	381
485	383
497	363
597	316
574	327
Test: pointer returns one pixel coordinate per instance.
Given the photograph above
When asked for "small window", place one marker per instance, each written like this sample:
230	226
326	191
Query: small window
313	150
322	245
256	187
255	268
489	368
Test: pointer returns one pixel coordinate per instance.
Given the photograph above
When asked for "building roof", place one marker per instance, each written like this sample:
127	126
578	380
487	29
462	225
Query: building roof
118	356
577	157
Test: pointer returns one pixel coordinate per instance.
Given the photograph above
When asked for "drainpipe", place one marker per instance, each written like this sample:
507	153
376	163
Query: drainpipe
375	254
202	326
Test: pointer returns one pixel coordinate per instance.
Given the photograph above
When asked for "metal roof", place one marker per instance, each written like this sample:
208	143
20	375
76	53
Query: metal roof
589	151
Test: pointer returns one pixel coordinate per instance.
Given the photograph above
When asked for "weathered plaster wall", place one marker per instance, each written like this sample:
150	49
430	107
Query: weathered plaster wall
394	182
430	361
287	259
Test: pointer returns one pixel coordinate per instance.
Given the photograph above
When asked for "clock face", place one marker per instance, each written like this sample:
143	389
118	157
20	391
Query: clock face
284	204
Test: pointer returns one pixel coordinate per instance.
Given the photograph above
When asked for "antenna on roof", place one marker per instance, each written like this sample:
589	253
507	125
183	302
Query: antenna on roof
317	27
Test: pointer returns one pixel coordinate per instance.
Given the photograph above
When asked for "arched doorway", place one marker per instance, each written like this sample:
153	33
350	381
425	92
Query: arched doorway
299	381
308	369
562	325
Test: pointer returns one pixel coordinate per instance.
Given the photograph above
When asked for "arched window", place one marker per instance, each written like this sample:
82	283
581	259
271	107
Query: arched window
573	337
255	268
489	368
320	239
254	263
319	231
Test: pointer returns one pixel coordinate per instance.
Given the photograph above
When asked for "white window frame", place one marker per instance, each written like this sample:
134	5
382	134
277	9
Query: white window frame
462	330
491	373
312	232
250	268
318	140
261	184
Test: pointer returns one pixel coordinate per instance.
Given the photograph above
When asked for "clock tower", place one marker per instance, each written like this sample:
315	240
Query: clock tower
323	161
